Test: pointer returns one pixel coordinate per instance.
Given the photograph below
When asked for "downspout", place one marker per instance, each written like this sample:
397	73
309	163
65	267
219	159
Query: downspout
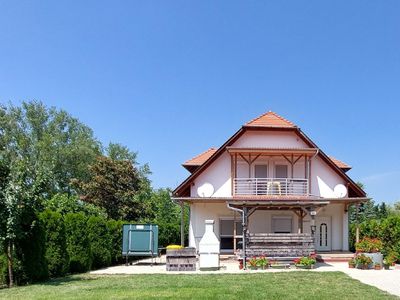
243	231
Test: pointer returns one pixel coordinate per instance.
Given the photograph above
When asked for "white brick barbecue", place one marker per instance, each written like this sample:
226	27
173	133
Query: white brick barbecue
209	248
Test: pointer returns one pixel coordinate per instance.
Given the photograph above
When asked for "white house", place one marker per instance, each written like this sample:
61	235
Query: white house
269	178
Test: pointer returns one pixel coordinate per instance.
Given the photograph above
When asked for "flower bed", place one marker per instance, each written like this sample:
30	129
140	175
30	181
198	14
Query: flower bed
260	262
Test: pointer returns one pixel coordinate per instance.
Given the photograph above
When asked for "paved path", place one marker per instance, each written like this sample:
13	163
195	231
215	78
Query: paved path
386	280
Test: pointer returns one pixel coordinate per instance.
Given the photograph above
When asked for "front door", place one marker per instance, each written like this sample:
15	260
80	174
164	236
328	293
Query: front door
323	234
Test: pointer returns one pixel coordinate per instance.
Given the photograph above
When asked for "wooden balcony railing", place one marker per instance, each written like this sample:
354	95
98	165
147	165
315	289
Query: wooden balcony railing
270	186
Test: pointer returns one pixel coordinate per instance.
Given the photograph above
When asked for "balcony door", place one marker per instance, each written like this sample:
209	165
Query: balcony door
261	173
281	174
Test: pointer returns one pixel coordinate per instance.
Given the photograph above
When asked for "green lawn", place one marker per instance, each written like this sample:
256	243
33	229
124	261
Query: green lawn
284	285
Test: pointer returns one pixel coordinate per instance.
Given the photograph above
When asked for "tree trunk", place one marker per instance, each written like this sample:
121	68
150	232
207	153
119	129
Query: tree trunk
10	264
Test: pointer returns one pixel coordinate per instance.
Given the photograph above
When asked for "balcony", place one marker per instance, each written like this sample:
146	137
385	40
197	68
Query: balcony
270	187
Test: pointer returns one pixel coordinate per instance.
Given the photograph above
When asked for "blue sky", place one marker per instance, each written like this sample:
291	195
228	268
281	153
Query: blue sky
170	79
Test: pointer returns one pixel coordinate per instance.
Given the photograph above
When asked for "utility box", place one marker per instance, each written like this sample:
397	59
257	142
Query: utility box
140	240
209	248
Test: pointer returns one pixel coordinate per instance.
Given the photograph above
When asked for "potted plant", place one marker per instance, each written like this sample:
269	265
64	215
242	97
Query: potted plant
253	263
352	263
389	260
377	267
305	262
363	262
262	262
372	248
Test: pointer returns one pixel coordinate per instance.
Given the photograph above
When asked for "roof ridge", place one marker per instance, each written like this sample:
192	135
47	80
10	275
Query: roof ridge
270	112
197	156
282	118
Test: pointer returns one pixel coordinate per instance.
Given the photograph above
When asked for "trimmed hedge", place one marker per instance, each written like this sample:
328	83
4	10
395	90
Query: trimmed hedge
115	229
100	242
78	243
56	245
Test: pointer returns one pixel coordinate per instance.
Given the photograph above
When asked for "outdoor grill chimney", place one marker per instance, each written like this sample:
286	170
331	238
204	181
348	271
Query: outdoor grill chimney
209	248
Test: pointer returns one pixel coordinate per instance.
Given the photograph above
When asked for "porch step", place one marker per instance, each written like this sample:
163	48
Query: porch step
335	257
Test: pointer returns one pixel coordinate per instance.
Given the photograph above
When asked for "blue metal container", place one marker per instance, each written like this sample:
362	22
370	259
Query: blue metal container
140	240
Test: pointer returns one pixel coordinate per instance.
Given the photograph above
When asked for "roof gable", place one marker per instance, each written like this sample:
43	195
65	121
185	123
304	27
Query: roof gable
267	121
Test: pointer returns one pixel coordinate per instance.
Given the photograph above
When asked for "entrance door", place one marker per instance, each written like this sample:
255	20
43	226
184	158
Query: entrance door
323	234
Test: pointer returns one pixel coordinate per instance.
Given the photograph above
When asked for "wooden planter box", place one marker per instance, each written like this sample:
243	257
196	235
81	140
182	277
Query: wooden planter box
181	259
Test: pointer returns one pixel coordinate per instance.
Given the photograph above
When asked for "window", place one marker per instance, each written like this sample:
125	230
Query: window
226	233
281	171
261	171
282	224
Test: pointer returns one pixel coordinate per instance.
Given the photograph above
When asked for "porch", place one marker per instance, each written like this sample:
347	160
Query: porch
283	243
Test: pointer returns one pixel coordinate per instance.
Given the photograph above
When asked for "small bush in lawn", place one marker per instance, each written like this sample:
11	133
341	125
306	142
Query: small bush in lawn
115	229
78	244
56	244
100	242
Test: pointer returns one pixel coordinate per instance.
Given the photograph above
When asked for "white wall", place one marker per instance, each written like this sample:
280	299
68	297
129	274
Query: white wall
323	178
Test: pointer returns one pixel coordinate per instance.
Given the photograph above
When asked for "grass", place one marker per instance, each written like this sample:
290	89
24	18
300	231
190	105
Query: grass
283	285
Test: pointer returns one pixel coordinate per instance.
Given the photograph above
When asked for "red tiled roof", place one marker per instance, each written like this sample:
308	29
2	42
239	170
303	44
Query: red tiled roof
201	158
339	163
271	119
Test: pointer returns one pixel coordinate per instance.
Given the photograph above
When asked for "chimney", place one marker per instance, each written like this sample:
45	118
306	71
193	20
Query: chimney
209	248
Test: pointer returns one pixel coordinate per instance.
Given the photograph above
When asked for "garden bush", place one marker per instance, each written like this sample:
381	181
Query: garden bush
30	252
56	245
387	230
100	242
78	244
115	229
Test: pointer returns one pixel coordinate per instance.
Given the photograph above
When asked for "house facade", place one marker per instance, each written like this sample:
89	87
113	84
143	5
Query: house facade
269	179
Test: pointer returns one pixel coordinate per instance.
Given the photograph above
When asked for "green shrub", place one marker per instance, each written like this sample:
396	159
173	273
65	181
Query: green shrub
100	242
56	244
115	229
30	252
78	244
169	233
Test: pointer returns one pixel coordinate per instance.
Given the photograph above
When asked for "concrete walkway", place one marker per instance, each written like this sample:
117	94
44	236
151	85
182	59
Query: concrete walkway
386	280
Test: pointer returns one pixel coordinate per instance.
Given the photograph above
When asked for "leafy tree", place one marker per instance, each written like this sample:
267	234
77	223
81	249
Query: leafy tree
113	185
117	151
65	204
167	214
41	150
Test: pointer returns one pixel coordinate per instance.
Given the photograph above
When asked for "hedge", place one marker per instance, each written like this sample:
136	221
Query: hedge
56	245
115	229
78	243
100	242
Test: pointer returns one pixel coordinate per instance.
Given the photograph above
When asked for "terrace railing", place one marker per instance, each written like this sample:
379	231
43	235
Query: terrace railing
270	186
